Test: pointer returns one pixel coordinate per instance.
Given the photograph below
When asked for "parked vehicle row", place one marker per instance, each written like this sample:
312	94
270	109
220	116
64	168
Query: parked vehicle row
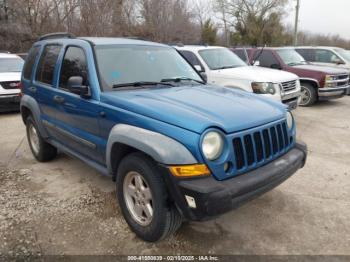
178	147
317	82
224	68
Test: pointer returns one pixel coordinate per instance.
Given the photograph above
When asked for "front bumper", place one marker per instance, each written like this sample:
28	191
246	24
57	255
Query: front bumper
332	93
9	102
291	99
213	197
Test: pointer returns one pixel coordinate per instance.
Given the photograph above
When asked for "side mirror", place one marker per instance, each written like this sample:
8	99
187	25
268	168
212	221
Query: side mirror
338	61
75	85
276	66
204	76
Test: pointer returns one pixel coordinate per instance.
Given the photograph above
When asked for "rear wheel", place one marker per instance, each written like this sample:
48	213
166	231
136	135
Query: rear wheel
41	150
144	200
308	95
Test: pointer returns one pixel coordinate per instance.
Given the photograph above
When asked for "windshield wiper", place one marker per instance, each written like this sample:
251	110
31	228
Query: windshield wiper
180	79
224	67
298	63
141	83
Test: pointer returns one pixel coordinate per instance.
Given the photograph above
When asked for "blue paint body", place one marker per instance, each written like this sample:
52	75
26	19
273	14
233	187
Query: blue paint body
182	113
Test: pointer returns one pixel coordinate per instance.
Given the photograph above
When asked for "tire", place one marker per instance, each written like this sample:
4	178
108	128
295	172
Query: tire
165	219
42	151
308	95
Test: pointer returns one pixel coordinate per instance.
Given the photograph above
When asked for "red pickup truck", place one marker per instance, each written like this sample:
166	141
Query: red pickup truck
317	82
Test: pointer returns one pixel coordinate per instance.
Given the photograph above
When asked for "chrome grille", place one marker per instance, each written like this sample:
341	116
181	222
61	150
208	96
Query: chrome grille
341	80
290	85
10	84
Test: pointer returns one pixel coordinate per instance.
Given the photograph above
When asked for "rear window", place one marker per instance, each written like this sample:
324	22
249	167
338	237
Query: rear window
47	64
28	67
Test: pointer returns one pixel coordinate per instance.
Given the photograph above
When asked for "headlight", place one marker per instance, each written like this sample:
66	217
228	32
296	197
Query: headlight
330	81
330	78
263	88
212	145
290	120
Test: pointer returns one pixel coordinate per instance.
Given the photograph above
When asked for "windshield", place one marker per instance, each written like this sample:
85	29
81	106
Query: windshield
221	58
344	53
291	57
11	65
124	64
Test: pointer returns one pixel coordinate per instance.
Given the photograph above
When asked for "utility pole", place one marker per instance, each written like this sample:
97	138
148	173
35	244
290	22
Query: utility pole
296	23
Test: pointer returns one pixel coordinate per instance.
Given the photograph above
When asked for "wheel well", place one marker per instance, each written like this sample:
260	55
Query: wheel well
314	84
25	112
118	152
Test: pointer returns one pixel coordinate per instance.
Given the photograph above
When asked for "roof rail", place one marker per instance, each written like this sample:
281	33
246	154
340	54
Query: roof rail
56	35
136	38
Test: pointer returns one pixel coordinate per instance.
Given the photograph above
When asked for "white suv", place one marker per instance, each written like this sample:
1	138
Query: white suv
10	77
225	68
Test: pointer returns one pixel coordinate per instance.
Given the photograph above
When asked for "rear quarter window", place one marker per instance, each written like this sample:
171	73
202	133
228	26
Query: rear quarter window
47	63
30	61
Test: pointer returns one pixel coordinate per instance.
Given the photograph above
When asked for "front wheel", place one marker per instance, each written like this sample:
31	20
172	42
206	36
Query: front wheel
144	200
308	95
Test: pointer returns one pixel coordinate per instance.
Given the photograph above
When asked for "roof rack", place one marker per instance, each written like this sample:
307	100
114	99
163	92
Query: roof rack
56	35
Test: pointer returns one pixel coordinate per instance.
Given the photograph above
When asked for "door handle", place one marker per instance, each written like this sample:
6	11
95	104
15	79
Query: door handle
32	89
58	99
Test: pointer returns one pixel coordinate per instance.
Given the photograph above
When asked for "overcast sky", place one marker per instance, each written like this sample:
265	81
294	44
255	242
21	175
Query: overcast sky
323	16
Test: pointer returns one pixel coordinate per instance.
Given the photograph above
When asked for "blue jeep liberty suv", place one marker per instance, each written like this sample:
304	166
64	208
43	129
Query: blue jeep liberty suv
137	111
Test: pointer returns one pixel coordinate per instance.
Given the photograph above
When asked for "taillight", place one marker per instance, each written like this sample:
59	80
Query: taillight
20	86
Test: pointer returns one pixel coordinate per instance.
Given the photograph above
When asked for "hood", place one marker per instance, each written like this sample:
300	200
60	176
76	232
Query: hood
197	108
256	74
321	69
11	76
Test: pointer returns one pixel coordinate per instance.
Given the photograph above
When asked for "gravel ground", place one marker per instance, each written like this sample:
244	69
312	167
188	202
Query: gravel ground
66	208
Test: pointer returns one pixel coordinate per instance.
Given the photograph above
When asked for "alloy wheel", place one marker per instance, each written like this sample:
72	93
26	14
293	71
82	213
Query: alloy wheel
138	198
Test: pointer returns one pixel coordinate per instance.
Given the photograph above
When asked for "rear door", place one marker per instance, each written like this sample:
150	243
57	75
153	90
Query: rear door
42	85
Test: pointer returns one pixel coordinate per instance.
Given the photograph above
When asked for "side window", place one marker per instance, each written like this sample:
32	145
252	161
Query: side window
74	64
192	58
47	63
325	56
28	66
308	54
241	53
266	59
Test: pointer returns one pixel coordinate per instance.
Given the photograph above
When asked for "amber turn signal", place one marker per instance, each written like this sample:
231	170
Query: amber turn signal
189	170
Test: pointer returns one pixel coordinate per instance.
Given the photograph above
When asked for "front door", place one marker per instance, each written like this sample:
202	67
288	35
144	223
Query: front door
76	117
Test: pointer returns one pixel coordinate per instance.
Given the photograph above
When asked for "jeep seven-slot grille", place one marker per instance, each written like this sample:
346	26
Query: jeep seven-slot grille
260	146
290	85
